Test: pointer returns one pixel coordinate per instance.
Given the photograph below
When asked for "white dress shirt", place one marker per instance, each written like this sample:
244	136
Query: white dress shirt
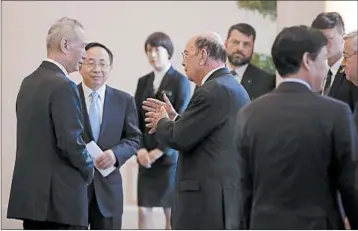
101	96
296	80
158	77
208	75
240	72
59	65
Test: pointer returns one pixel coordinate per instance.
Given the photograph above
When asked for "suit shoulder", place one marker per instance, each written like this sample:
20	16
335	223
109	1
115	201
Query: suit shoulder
260	71
179	75
144	77
119	93
332	102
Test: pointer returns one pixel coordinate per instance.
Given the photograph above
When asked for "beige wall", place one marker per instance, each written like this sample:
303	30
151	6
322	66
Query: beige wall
123	26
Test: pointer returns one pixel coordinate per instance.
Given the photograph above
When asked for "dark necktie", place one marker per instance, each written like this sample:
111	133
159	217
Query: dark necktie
327	85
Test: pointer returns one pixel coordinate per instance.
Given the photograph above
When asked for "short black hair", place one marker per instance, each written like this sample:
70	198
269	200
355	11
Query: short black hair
214	49
290	45
160	39
97	44
328	20
243	28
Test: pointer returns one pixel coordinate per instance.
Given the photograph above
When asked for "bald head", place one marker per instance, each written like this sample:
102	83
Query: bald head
212	43
203	53
65	28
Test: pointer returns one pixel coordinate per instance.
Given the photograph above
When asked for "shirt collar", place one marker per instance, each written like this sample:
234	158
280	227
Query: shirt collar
241	69
335	67
297	80
209	73
59	65
162	72
87	91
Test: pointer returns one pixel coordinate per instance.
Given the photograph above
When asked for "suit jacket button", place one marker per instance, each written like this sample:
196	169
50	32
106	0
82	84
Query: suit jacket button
249	81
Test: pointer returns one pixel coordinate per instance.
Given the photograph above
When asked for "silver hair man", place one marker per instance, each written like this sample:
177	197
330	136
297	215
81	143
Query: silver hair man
350	57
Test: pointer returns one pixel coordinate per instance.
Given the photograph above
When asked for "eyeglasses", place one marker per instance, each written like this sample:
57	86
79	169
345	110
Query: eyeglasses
185	55
92	66
348	56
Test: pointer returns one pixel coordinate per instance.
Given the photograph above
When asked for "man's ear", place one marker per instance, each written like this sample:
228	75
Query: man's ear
64	45
203	57
306	61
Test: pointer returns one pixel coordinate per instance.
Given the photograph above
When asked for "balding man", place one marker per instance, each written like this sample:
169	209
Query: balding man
207	173
52	167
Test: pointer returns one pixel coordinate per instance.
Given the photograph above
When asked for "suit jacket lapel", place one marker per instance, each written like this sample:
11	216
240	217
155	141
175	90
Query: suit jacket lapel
106	116
246	80
87	124
165	81
337	82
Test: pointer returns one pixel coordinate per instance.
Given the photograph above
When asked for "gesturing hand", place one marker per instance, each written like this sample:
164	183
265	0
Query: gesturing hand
151	105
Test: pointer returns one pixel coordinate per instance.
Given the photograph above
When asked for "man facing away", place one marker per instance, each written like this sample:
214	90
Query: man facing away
336	85
52	167
239	45
110	120
207	173
289	178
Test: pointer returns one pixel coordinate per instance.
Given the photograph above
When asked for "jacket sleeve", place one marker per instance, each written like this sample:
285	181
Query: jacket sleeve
67	118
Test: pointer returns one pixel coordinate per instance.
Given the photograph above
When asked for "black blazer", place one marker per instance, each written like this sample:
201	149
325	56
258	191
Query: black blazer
296	150
344	90
120	133
52	167
177	87
207	174
257	82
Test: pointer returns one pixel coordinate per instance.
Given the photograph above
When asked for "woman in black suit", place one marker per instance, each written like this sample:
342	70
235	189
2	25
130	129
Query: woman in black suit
157	163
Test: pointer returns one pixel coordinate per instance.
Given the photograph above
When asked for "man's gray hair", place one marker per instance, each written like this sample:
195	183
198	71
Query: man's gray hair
213	45
65	27
352	35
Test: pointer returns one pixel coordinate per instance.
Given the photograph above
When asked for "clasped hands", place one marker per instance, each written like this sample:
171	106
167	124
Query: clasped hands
146	159
156	110
106	160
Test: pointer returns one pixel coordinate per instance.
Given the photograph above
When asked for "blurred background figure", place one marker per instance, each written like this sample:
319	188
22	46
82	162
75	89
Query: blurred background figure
350	63
239	44
350	57
157	162
335	85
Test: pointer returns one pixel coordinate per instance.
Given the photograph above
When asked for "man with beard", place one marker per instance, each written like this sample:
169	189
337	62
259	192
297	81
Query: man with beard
239	46
336	85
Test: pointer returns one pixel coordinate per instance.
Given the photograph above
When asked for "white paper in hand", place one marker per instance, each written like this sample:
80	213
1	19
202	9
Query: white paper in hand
95	152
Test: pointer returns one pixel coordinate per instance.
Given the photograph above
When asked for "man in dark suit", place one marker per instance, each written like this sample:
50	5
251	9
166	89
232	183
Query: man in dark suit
240	48
207	174
350	63
111	121
52	167
336	85
297	148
